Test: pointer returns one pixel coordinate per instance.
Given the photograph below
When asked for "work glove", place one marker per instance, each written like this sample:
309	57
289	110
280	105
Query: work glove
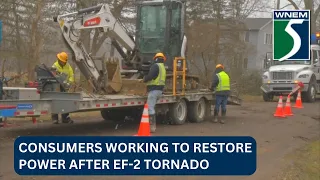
66	84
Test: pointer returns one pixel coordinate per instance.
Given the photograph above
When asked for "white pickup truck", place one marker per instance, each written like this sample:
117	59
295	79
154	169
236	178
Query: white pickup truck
282	77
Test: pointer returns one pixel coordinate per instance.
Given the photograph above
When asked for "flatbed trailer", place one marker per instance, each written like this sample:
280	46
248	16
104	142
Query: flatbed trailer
29	102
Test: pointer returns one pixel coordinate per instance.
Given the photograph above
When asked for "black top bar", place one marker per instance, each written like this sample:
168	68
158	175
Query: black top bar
90	9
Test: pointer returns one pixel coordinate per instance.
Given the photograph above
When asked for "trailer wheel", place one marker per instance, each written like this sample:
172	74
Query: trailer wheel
136	114
178	112
197	111
112	115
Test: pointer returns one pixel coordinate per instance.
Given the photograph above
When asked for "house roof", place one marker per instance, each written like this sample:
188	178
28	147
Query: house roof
256	23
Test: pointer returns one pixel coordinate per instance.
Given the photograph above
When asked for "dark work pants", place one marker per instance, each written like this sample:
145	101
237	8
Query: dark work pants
64	117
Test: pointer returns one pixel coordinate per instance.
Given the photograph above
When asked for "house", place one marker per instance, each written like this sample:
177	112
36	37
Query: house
259	37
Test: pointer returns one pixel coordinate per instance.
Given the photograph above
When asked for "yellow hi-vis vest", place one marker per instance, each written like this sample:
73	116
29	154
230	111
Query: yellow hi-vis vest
224	81
161	79
67	69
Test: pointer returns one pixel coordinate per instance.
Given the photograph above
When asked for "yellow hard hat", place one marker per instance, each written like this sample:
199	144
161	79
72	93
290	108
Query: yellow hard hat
160	55
219	66
63	56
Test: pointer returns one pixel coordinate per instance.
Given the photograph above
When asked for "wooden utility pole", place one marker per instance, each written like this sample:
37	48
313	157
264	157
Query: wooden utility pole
278	4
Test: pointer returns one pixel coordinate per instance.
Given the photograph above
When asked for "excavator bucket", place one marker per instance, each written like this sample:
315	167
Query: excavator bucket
114	83
117	84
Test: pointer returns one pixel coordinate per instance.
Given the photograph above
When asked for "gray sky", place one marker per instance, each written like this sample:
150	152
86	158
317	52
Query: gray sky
282	4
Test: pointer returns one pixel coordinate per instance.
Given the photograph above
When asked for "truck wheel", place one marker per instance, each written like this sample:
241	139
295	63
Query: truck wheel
178	112
267	97
112	115
197	111
310	95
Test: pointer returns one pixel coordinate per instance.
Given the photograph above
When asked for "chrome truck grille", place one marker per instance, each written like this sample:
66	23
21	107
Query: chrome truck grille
282	75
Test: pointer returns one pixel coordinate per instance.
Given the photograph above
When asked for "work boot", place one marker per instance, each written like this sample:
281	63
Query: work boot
55	118
223	116
67	120
215	116
153	123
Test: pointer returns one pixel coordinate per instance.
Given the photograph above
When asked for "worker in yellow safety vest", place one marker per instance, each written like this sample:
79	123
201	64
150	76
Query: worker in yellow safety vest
62	66
156	80
221	86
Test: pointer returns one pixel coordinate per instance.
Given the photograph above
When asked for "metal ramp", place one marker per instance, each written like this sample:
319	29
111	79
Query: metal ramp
234	98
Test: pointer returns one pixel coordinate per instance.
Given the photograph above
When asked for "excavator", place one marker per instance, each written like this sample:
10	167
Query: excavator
159	28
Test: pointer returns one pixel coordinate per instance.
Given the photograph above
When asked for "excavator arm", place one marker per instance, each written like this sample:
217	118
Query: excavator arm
98	18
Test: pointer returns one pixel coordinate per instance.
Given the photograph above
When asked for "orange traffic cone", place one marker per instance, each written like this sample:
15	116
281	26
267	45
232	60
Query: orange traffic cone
279	111
287	108
298	101
144	128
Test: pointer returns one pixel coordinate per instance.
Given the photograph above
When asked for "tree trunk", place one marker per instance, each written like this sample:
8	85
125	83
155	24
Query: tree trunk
36	41
314	13
278	4
217	35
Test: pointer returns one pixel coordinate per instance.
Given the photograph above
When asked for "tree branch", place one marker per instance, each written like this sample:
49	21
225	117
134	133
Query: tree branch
317	12
293	4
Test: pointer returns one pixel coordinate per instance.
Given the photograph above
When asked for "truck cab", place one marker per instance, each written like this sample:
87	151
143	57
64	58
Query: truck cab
282	77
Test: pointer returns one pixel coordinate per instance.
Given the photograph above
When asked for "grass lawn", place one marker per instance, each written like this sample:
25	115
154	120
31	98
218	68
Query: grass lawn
251	98
304	163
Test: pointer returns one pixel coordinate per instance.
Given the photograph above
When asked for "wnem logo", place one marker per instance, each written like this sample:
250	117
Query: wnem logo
291	35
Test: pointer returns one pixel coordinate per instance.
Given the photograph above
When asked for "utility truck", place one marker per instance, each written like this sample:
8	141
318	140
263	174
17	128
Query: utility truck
282	77
159	28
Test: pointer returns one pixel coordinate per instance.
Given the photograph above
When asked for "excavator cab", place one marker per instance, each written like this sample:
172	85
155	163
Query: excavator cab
160	28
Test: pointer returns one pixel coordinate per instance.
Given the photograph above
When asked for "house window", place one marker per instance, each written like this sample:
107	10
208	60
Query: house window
245	63
246	37
268	39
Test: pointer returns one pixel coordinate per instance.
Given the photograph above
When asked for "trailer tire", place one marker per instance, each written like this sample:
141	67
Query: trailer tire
197	111
112	115
136	114
178	112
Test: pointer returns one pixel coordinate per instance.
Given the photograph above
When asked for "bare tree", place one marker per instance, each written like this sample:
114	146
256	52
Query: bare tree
28	29
314	7
216	34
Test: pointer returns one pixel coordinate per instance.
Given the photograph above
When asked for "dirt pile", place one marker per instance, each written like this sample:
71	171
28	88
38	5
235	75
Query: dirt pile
133	87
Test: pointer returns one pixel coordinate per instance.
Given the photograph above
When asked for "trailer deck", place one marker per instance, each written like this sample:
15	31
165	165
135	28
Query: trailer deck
59	102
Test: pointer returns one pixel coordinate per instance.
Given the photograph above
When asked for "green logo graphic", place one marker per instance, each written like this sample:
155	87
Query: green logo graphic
291	35
283	42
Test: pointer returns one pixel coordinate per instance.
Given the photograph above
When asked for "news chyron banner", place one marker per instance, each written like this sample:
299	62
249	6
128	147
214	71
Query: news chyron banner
161	155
